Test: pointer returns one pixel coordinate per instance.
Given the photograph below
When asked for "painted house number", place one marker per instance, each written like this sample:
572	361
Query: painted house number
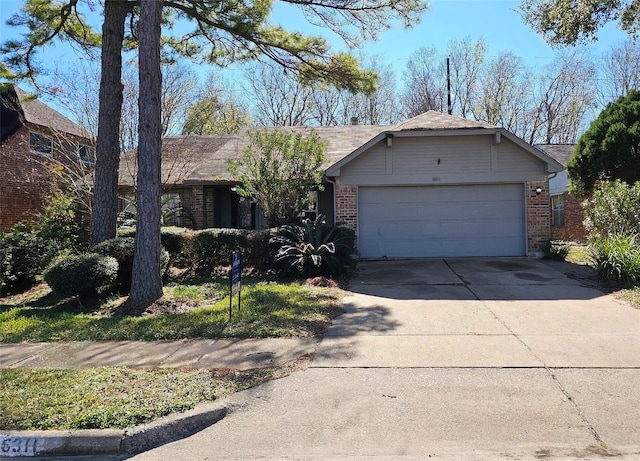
16	446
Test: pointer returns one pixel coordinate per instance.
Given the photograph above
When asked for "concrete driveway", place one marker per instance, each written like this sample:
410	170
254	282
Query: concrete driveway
456	359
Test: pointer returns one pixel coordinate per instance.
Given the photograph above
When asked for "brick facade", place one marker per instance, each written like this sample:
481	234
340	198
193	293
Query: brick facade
573	228
346	205
538	215
24	180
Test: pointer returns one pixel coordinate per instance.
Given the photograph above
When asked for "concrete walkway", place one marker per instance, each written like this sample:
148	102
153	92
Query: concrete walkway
457	359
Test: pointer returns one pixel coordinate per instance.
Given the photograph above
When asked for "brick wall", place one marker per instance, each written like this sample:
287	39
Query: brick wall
25	176
23	181
347	205
573	228
538	215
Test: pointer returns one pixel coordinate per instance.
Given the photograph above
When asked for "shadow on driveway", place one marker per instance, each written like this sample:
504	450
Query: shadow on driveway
498	279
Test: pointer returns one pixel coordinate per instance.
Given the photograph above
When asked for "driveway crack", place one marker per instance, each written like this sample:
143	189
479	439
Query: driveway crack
590	427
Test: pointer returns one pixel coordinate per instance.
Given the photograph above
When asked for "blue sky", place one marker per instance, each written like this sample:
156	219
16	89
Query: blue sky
496	21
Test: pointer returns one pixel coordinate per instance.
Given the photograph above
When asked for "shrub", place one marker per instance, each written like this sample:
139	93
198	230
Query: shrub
24	254
555	250
27	248
173	239
83	274
613	210
176	240
213	247
122	248
260	254
315	248
617	259
64	221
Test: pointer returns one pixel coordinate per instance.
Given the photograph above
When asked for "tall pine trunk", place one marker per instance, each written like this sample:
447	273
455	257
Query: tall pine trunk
105	199
146	283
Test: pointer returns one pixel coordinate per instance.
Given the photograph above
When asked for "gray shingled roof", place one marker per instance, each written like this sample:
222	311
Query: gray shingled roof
559	152
201	159
188	159
38	113
432	120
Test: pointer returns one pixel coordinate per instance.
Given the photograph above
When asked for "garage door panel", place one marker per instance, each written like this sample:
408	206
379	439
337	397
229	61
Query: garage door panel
477	220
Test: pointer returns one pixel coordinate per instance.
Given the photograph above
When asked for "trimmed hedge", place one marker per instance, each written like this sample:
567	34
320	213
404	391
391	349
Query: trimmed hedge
172	238
213	247
209	248
82	274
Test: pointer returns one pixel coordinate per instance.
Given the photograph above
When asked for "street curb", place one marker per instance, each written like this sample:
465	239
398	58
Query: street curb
104	442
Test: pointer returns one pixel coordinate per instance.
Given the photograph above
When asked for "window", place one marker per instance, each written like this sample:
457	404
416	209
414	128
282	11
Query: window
171	209
557	207
86	154
40	143
311	212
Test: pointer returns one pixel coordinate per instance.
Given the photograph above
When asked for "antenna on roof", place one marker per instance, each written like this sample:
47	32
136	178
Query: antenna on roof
449	108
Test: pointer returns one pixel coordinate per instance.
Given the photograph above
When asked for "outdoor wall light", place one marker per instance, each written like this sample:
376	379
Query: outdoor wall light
389	140
538	190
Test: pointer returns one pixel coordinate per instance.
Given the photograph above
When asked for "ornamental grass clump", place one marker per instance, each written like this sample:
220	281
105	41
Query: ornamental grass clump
617	259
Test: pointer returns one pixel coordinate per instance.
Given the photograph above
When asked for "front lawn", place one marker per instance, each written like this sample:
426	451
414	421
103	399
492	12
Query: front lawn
196	308
99	398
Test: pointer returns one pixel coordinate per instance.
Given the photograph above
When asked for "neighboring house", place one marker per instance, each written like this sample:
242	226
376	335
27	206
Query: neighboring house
433	186
566	211
34	138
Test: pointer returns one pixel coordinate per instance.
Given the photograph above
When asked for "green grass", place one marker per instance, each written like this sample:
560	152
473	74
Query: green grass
99	398
631	295
579	253
197	309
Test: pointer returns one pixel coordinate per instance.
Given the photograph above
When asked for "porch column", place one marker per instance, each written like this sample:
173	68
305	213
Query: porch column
198	205
538	215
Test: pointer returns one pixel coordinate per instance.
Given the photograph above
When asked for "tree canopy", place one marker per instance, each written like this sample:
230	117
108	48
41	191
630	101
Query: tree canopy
566	22
279	170
610	148
224	31
215	112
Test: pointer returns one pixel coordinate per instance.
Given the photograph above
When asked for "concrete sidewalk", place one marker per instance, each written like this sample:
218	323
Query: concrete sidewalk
196	353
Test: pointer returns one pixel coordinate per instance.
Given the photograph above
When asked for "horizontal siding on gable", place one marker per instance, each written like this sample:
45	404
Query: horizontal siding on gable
512	159
441	156
371	162
412	158
443	160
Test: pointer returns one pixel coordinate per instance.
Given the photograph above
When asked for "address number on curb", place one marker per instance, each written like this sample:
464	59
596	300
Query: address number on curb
18	446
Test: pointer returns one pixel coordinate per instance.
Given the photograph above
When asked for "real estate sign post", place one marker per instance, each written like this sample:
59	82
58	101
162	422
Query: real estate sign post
236	275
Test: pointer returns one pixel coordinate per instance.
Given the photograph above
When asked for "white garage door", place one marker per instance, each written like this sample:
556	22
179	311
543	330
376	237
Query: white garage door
473	220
